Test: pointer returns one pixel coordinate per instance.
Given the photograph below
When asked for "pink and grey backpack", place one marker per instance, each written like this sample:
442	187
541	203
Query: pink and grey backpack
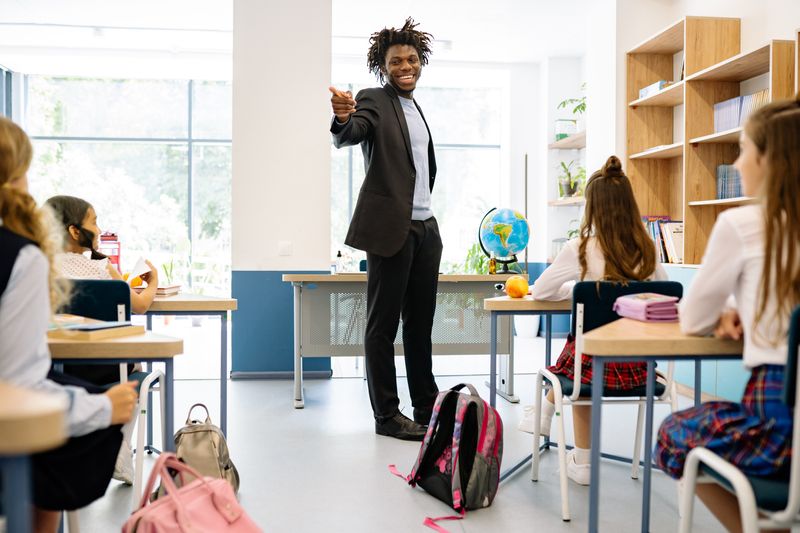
459	462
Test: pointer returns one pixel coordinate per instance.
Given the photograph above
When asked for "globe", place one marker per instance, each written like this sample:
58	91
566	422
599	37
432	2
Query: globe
503	233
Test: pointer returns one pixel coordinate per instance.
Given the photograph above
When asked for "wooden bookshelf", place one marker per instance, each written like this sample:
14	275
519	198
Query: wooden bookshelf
573	142
574	201
797	63
678	179
723	137
661	152
741	200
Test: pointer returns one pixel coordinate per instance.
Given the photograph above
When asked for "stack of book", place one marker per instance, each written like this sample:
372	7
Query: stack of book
732	113
729	182
648	307
169	290
668	237
80	328
653	88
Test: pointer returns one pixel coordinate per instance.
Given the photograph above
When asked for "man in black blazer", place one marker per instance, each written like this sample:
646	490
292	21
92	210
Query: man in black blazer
394	224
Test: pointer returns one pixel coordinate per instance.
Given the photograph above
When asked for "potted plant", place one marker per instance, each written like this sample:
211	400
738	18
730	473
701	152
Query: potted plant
571	183
566	127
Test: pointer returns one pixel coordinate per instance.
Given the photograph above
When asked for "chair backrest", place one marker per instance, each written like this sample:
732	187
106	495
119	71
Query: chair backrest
790	373
598	298
106	299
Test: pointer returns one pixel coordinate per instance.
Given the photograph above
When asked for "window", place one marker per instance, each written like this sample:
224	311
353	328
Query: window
5	92
466	125
154	159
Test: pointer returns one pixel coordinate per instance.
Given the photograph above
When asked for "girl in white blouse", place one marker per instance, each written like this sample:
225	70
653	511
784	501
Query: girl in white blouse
75	474
613	246
748	285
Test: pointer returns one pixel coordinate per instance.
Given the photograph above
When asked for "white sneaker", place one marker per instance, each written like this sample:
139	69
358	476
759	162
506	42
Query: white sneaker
123	469
580	474
528	422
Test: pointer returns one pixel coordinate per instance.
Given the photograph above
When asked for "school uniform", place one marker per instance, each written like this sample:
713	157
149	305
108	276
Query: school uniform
556	283
77	473
754	434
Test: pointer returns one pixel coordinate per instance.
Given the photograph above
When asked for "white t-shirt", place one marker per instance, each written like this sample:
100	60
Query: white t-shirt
732	265
81	266
558	280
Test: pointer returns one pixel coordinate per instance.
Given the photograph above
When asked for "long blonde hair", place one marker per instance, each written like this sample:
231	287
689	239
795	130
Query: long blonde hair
612	217
775	131
18	211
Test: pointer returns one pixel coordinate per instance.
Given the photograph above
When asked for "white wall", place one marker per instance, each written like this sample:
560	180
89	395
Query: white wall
281	144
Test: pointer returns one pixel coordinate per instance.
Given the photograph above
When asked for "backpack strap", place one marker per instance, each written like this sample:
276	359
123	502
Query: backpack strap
393	469
432	522
472	389
189	415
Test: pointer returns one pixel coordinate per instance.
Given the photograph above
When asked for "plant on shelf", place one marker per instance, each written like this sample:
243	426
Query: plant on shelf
579	103
573	230
571	183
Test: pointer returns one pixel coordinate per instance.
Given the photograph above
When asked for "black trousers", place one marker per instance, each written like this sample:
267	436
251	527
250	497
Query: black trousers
403	285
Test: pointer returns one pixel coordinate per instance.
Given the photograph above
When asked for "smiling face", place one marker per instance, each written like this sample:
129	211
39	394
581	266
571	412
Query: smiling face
751	165
402	68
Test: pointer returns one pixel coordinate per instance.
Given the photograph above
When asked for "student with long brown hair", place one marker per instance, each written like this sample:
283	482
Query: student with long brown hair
78	472
752	255
613	246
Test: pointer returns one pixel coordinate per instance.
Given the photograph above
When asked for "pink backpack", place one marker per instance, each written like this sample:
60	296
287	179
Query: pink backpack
459	462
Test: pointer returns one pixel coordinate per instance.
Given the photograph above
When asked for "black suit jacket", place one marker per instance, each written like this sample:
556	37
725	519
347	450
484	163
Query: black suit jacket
382	215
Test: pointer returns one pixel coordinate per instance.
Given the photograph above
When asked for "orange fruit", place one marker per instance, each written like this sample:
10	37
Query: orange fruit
516	286
125	276
137	282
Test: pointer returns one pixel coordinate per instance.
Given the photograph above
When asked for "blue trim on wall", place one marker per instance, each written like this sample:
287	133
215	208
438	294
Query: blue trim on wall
262	335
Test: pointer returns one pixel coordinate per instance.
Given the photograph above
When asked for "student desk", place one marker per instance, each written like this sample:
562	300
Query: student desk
149	347
630	340
504	305
330	318
30	422
197	305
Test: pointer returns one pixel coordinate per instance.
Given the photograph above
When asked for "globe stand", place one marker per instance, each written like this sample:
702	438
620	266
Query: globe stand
505	263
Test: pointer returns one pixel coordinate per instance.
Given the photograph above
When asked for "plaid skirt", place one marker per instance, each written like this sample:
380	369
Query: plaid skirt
755	435
619	376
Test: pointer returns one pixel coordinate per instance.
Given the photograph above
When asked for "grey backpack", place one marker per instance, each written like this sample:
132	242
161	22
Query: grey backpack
202	446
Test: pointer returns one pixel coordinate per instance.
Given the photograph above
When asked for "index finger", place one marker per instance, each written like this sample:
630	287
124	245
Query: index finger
337	92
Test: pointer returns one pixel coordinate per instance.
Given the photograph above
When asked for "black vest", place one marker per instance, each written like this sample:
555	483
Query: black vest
10	245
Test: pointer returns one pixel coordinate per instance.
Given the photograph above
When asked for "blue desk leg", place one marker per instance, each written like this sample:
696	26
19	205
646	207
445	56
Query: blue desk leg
223	374
148	367
169	400
493	359
698	382
650	391
594	487
16	475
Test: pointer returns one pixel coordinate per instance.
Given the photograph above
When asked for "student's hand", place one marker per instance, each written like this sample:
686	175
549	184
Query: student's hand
730	326
123	400
150	277
342	103
113	272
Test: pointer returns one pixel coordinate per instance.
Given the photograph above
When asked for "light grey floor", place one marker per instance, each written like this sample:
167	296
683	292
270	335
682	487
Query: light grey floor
323	468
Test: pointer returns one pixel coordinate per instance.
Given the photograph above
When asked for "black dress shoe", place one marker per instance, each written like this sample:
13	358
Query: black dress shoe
422	416
400	427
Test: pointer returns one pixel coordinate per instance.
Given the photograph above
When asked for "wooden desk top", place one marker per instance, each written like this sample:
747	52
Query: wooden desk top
193	302
505	303
632	337
362	278
30	421
140	347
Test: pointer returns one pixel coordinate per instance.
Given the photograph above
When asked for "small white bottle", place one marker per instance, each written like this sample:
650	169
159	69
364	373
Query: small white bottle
339	264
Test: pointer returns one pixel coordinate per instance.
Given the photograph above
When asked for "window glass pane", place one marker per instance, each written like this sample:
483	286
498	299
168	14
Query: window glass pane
467	186
211	219
82	107
212	110
138	191
462	116
344	197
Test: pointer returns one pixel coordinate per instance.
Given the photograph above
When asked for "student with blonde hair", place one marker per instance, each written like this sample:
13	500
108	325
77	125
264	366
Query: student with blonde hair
753	254
613	246
78	472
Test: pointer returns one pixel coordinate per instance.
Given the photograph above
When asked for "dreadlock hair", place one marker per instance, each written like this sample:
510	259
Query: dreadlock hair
381	41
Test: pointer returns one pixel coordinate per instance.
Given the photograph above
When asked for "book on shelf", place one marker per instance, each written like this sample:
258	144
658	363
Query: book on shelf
672	231
653	225
729	182
653	88
79	328
732	113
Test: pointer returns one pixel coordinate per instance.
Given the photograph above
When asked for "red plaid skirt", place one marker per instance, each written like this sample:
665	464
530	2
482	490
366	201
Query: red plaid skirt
615	375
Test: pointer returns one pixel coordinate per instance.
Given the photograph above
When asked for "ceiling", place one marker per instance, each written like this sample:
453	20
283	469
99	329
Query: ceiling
182	38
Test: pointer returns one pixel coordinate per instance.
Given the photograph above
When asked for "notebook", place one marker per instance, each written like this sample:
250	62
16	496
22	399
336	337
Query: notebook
648	307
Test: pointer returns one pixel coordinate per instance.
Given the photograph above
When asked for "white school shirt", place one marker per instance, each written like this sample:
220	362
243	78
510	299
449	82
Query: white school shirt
558	280
24	355
732	265
80	266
